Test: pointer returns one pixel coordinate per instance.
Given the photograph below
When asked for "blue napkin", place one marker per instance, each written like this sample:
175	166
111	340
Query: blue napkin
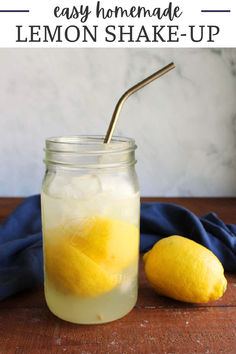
21	260
160	220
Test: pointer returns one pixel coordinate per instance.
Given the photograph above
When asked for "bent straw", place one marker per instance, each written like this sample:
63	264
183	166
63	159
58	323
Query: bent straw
128	93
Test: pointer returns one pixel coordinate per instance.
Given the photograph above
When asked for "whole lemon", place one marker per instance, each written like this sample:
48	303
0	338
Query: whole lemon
182	269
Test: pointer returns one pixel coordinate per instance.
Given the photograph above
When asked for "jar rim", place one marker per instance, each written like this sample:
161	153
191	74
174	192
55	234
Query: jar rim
89	144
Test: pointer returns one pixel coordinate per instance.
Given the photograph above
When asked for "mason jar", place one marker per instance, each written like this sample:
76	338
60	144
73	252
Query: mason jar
90	217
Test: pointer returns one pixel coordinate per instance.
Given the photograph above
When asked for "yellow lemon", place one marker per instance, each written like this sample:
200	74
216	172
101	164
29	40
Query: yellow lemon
73	272
184	270
113	244
86	256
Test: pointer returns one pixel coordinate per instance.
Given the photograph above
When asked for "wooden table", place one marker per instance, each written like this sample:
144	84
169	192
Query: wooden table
156	324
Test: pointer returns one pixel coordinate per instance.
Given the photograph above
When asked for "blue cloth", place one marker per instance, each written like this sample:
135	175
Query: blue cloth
160	220
21	260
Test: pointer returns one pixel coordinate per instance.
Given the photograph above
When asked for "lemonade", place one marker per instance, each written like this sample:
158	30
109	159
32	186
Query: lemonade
91	244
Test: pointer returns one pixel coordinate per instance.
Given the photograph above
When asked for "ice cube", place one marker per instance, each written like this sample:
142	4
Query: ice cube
115	186
83	187
79	187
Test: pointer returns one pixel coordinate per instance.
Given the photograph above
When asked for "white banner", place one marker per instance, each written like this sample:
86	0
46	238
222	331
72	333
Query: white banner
123	23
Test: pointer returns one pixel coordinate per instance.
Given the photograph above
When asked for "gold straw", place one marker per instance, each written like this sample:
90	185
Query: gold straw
132	90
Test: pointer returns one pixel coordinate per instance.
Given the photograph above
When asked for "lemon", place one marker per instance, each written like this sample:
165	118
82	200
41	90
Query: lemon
73	272
111	243
184	270
86	256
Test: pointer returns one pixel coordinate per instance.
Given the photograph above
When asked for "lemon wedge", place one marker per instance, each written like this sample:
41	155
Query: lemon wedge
85	257
111	243
73	272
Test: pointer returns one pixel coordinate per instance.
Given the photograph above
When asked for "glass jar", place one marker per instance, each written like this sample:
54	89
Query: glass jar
90	215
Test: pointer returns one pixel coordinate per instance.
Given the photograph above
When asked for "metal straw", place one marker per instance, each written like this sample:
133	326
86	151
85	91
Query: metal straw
132	90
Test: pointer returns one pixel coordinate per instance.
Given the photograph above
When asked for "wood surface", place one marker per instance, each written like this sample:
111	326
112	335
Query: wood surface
155	325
